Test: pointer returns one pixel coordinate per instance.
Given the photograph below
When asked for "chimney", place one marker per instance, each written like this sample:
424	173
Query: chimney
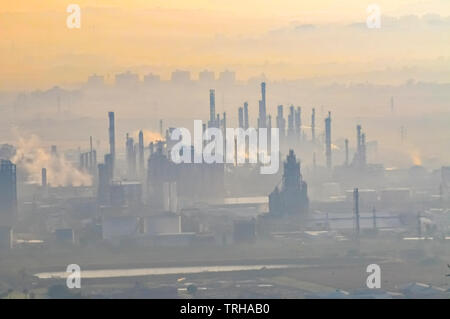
262	121
44	177
112	139
212	108
328	140
241	117
141	155
245	115
356	210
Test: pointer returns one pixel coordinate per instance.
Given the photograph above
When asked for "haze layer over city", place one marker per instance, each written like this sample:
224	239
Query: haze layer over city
316	162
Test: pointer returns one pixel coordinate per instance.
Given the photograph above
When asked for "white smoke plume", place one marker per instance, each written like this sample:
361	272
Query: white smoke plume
32	157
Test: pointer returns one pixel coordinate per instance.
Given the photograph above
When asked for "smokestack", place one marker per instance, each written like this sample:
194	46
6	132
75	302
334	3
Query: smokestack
291	122
54	151
298	122
91	154
281	123
246	115
131	158
241	117
212	107
224	121
262	121
263	94
363	150
161	127
44	177
141	155
328	140
358	139
313	125
346	152
112	139
356	210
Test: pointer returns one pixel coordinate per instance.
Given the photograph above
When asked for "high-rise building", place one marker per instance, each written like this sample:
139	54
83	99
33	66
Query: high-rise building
206	77
151	79
127	80
95	81
227	77
180	77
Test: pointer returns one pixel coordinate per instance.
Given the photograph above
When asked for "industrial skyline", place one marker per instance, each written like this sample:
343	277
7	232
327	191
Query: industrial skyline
241	150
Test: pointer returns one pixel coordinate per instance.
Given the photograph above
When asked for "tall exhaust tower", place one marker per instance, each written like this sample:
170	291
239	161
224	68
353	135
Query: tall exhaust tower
328	140
112	139
356	210
245	115
262	120
212	108
141	155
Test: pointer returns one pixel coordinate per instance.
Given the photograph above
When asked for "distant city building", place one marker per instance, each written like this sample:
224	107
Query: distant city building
227	77
95	81
292	198
180	77
127	80
151	79
206	77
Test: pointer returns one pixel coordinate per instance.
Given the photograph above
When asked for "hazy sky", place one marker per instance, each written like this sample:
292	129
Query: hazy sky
282	38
